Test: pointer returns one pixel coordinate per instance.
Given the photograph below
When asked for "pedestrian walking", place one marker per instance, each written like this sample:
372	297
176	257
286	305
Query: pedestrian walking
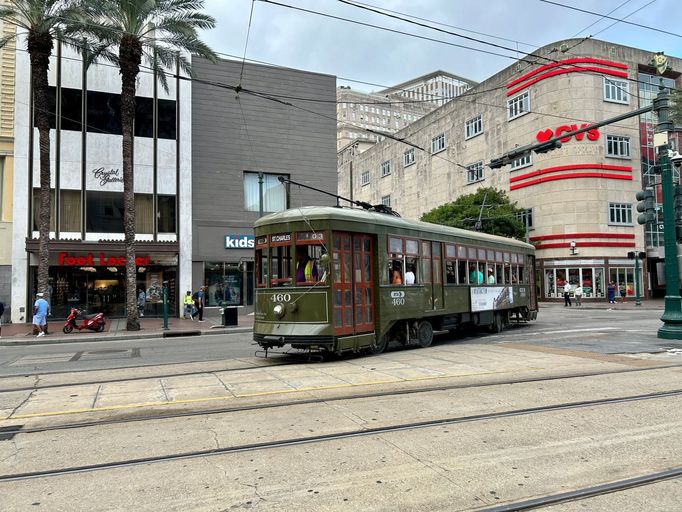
189	305
199	303
611	292
578	292
623	292
141	301
40	309
567	295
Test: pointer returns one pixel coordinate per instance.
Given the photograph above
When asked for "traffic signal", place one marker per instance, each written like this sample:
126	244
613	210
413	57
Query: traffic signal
646	206
548	146
632	255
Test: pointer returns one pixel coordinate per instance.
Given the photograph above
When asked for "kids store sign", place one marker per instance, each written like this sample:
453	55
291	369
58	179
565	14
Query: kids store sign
100	259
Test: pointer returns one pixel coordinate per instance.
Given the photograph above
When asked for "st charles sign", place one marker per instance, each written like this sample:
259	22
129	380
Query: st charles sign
239	241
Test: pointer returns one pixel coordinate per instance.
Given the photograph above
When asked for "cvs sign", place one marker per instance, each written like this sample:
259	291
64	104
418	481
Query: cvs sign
545	135
239	241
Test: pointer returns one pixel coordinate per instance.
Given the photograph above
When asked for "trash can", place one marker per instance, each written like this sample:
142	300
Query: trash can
230	316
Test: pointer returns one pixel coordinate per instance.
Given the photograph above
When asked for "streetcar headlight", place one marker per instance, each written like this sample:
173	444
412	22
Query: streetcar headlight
278	310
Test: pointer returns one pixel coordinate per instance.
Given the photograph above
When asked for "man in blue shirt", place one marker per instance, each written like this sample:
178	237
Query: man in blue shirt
40	309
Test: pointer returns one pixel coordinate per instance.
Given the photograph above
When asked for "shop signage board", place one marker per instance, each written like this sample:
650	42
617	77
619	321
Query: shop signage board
239	241
99	259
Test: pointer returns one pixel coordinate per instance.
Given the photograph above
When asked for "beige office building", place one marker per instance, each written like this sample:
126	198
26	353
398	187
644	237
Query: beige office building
579	200
7	63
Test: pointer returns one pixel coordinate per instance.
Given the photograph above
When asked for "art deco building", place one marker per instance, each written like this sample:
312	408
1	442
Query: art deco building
578	200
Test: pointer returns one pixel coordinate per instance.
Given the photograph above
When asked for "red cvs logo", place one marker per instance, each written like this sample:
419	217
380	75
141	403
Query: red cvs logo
545	135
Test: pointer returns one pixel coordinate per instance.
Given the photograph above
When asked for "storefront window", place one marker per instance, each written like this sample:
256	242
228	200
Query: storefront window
88	285
624	277
224	283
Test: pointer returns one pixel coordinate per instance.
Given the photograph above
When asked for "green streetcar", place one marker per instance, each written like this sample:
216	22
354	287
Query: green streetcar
338	280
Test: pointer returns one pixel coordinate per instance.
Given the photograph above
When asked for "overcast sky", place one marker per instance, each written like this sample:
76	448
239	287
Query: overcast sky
303	40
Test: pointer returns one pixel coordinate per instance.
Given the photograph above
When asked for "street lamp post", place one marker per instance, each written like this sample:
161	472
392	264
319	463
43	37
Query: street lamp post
672	315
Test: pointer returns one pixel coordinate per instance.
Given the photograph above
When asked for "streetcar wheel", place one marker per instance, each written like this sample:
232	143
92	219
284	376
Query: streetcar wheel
67	329
498	323
424	334
380	346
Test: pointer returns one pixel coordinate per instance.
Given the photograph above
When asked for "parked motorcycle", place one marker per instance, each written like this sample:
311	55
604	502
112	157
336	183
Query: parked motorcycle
94	322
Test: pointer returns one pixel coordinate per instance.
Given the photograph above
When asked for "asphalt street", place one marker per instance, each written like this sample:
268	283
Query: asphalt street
610	331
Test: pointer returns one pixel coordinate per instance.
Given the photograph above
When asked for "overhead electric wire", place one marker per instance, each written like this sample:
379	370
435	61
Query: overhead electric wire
611	18
246	44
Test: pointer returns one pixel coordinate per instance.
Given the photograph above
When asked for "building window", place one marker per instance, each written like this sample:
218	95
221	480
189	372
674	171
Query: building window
386	200
274	196
617	146
518	106
438	143
526	218
364	178
475	172
522	162
408	157
385	168
473	127
104	212
620	213
166	218
616	91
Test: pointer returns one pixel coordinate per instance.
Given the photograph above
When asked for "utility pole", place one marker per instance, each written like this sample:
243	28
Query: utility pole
672	315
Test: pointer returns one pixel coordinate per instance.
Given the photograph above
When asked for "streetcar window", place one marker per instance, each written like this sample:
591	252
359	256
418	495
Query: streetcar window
280	265
490	274
451	271
411	247
307	263
500	273
507	273
475	273
262	268
462	272
396	270
395	245
450	251
522	275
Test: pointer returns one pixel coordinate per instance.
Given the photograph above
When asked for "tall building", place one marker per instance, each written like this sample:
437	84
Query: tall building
7	73
365	116
437	88
579	199
241	145
86	267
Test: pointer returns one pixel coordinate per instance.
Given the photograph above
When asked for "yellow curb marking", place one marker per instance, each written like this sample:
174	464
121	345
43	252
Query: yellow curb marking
246	395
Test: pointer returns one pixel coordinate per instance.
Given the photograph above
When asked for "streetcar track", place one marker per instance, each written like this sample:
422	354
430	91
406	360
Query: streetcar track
126	379
309	401
334	436
588	492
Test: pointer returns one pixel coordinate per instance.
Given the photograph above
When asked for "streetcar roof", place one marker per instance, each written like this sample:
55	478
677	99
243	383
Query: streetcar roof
370	218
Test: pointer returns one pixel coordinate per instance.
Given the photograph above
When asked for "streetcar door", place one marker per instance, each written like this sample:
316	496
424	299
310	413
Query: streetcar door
436	256
352	283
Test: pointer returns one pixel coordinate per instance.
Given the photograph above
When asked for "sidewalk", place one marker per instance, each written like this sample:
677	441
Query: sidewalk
22	334
629	303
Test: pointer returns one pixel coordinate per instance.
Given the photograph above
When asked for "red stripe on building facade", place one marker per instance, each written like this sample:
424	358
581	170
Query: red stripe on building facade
577	60
571	236
567	245
556	72
572	167
572	176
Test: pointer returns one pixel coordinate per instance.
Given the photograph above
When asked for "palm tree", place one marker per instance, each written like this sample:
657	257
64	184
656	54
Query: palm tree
161	33
43	20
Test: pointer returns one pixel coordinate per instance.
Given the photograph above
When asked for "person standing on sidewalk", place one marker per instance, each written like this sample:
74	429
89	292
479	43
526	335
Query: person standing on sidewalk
2	312
567	295
189	304
623	292
141	301
40	313
578	295
611	291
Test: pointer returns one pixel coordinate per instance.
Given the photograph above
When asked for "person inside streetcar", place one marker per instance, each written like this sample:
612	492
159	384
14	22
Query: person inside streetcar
306	268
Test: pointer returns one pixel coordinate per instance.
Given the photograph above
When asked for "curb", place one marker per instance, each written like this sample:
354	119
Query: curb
122	337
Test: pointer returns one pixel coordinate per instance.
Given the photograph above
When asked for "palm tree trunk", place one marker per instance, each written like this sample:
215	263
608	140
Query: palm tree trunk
130	56
40	49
